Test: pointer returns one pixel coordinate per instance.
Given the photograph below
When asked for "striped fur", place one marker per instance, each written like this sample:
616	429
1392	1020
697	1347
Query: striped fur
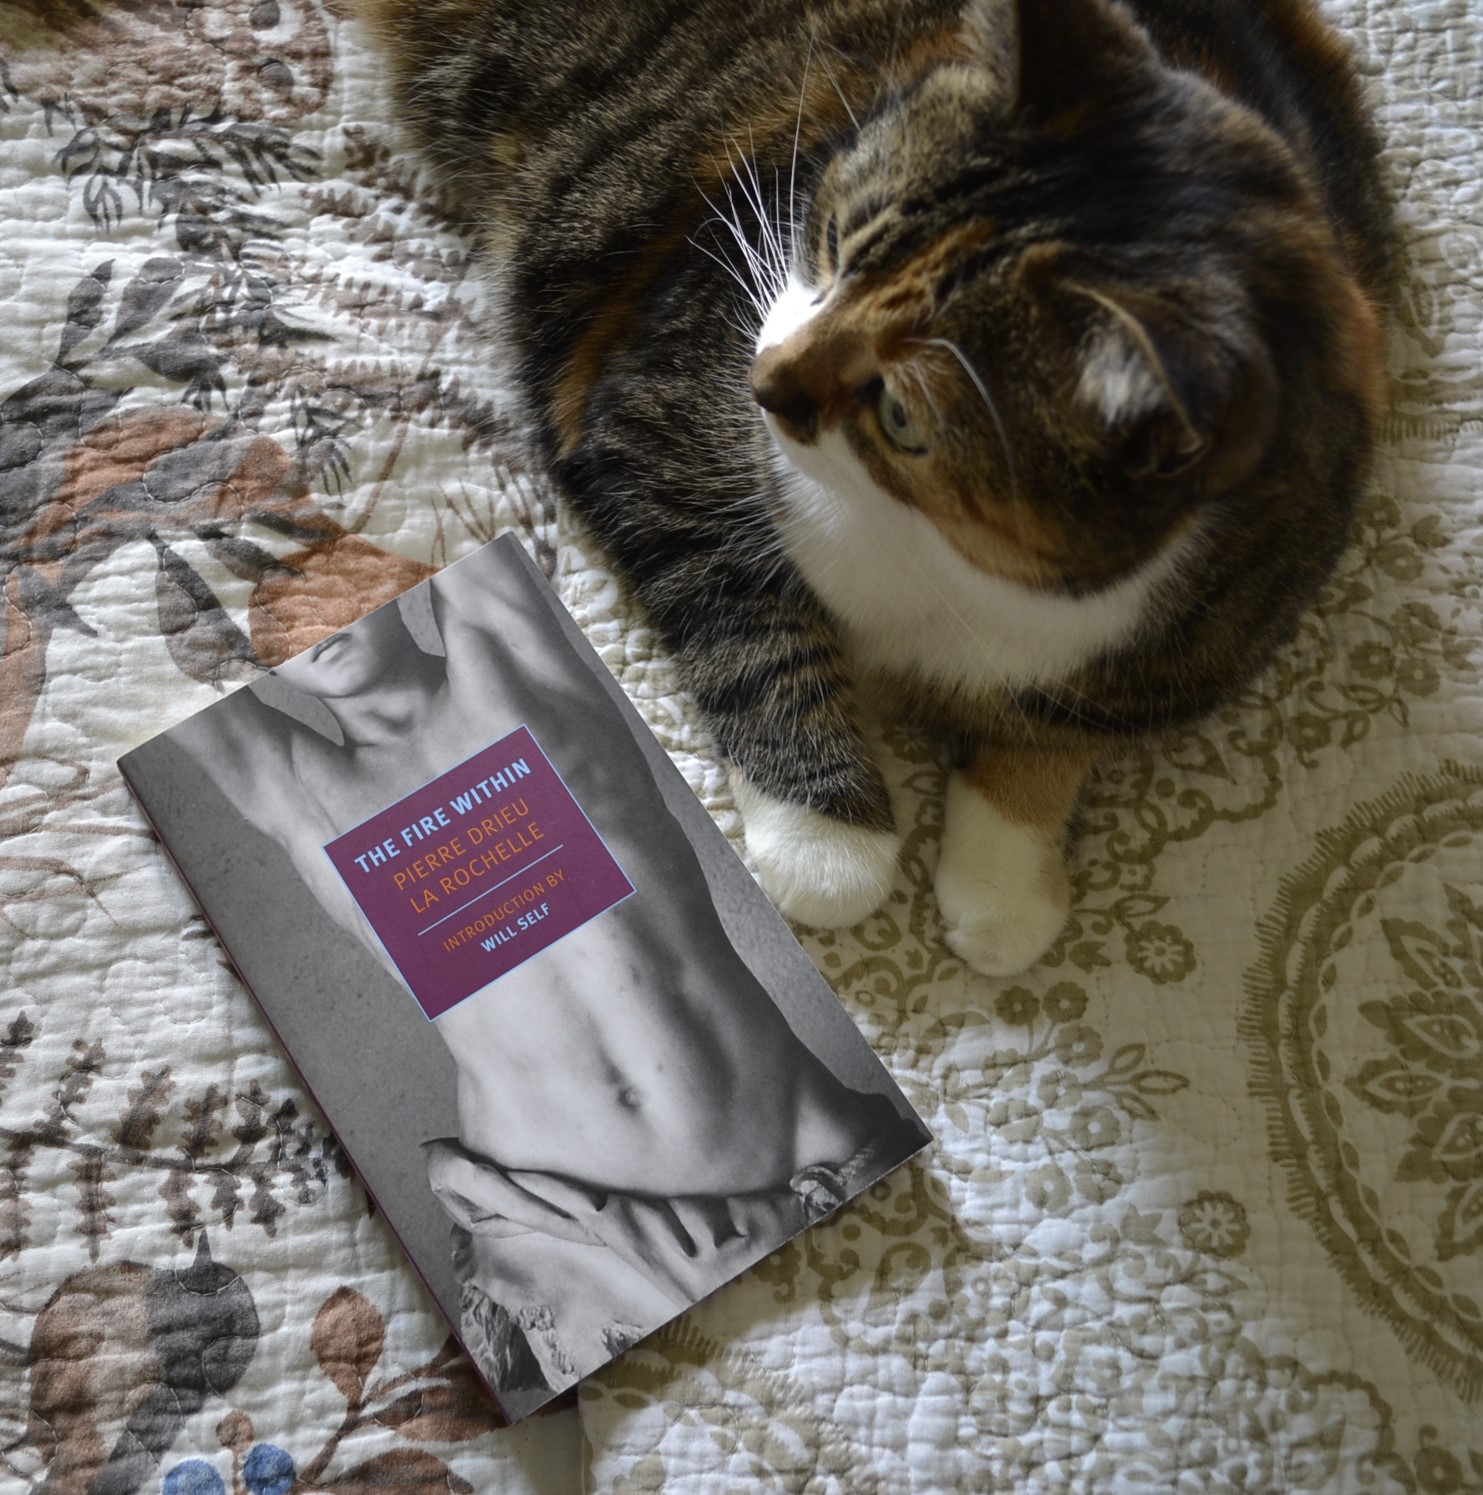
1062	314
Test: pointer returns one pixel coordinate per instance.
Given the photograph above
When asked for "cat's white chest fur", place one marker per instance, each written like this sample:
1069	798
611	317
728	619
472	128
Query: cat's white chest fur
910	604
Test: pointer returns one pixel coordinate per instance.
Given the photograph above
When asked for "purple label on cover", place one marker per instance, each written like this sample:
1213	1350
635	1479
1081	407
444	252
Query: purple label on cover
471	875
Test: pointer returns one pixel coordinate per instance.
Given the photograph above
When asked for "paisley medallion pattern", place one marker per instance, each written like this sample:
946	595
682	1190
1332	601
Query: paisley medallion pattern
1373	1067
1205	1212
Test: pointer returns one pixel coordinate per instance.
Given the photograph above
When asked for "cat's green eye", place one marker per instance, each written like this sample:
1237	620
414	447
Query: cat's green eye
901	430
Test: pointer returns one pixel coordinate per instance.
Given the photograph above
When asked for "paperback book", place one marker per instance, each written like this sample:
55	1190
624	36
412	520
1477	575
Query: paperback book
577	1058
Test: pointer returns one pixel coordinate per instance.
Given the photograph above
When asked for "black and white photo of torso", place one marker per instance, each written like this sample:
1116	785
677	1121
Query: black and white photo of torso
604	1162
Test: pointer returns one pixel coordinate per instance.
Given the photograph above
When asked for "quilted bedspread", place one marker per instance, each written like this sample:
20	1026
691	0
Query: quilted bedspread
1205	1211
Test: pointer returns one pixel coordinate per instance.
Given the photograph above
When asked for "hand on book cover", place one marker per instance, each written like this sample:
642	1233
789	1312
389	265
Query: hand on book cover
684	1247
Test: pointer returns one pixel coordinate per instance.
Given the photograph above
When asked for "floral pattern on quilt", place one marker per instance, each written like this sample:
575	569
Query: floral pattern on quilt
1205	1211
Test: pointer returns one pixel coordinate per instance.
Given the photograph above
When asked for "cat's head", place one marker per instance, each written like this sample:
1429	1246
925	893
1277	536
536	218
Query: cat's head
1056	305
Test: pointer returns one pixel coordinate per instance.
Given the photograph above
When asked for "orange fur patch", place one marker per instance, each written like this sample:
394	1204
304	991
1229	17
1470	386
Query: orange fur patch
1033	787
1362	354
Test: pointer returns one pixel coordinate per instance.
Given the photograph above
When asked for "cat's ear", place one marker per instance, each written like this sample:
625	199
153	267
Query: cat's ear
1168	391
1066	50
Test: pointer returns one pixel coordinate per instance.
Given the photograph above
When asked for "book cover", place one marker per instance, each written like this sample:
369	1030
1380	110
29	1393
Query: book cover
577	1058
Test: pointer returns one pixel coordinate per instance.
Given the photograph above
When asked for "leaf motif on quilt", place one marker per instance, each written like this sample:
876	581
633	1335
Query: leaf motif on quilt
452	1407
145	1112
13	1044
1435	1074
441	1400
203	640
347	1339
313	592
409	1469
271	1160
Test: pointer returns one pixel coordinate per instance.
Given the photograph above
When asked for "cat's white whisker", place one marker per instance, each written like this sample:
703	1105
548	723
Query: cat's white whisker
729	268
760	267
797	137
768	255
754	283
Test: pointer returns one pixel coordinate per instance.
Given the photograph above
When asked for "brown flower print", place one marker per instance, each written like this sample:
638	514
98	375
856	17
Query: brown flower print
1372	661
1065	1002
1215	1223
1078	1044
1017	1006
1160	952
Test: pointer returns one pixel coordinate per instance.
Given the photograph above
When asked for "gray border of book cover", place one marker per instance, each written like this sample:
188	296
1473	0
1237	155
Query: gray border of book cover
319	989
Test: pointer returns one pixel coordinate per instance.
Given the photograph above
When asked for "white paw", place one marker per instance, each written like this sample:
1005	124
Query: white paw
817	870
1001	887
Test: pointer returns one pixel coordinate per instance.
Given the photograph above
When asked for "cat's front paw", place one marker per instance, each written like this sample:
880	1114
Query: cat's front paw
1001	888
816	869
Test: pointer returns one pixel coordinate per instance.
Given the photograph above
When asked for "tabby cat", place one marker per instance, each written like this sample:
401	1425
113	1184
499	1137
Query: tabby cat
1019	357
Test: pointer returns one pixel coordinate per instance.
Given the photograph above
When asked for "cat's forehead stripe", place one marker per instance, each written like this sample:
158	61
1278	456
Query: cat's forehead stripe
895	310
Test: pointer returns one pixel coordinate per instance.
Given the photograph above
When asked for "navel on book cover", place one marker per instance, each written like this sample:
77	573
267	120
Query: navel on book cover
579	1061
